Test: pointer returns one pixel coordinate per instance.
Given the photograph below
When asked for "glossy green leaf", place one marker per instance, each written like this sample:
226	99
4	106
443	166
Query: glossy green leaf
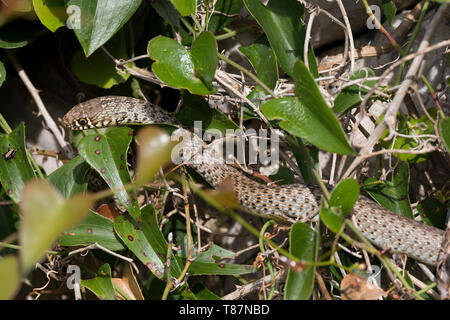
392	195
332	218
17	34
96	21
15	168
98	69
352	95
2	73
433	212
9	277
223	14
204	56
344	195
196	108
174	66
264	62
308	116
154	151
106	152
299	285
282	23
185	7
45	216
444	132
51	13
95	228
145	240
101	285
71	178
342	200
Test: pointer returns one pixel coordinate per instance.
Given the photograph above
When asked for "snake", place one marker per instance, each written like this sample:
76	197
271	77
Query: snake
384	228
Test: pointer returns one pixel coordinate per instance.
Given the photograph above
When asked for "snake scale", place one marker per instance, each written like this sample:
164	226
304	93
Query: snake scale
384	228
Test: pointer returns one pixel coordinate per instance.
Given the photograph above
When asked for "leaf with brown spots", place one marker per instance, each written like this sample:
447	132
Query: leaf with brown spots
106	156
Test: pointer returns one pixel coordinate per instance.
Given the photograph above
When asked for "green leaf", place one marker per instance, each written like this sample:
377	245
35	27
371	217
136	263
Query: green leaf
284	176
203	293
99	20
2	73
219	268
174	66
9	221
185	7
264	62
101	285
98	69
299	285
15	168
168	12
196	108
106	152
223	12
145	240
342	200
332	218
204	56
301	153
282	23
410	127
389	10
433	212
45	215
210	262
392	195
444	132
52	13
344	195
17	34
95	228
70	179
9	277
352	95
307	116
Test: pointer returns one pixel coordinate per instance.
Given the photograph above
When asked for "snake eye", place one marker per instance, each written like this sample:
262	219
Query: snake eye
83	122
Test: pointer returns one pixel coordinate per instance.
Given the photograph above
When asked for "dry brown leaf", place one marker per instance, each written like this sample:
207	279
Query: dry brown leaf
108	211
355	287
128	284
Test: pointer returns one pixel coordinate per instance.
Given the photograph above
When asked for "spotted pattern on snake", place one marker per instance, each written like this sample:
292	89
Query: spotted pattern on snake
384	228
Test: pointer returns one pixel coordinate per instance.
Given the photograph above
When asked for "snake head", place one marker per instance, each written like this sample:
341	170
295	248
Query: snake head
94	113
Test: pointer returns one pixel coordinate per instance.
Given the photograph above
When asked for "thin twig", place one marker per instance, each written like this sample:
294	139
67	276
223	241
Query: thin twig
65	146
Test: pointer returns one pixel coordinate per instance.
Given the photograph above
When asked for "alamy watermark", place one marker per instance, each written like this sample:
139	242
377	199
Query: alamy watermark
74	20
376	10
235	146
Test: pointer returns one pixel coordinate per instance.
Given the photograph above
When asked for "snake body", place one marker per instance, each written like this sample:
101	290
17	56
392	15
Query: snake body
384	228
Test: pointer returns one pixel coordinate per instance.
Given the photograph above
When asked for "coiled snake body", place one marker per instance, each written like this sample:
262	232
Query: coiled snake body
382	227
